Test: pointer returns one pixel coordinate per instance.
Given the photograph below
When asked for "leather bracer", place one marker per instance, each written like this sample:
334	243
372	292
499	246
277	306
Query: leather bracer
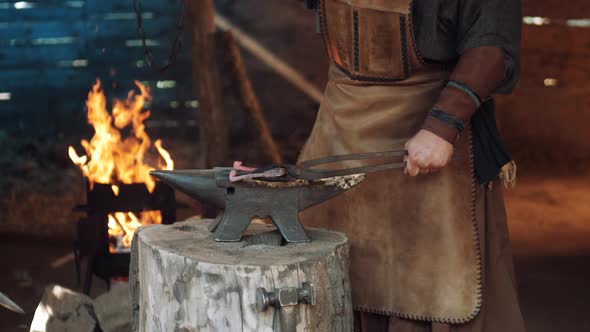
481	71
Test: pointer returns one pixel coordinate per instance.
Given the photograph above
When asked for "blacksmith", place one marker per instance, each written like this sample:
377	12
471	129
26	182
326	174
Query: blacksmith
429	246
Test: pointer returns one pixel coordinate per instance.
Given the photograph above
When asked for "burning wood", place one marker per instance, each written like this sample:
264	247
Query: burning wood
114	158
122	226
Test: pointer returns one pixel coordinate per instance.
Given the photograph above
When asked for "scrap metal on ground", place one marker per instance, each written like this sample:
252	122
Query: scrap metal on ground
9	304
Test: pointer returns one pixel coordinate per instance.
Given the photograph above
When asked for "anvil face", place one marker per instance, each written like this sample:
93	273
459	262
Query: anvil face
244	200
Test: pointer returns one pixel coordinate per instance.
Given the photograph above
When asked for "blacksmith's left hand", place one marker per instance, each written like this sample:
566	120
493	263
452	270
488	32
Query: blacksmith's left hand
427	153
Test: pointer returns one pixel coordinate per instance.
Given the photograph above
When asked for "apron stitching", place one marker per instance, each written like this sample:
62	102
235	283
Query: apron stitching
404	45
476	237
412	34
355	18
324	28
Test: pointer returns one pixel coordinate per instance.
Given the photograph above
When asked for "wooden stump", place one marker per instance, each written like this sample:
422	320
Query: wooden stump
182	280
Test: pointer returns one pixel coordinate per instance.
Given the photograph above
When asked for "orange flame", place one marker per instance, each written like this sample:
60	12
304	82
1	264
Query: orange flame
112	158
123	225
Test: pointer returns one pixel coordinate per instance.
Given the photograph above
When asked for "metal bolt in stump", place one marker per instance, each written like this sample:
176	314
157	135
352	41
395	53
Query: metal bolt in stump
182	279
285	300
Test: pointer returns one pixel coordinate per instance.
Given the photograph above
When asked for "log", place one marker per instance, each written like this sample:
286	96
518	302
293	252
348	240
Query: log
182	280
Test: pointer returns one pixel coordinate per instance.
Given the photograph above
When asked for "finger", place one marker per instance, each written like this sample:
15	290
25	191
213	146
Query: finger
438	164
413	172
419	159
425	171
412	168
423	159
407	145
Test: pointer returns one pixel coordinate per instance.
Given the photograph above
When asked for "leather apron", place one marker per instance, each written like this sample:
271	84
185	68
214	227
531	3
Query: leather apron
414	241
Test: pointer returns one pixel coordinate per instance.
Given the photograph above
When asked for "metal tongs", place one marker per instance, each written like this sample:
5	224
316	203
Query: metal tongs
307	170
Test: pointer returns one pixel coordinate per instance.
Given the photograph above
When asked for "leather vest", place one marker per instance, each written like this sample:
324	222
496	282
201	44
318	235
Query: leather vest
371	40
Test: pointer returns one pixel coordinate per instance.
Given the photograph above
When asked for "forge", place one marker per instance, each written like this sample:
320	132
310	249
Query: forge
120	194
107	254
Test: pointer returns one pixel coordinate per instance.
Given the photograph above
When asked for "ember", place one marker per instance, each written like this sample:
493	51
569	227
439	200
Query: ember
113	158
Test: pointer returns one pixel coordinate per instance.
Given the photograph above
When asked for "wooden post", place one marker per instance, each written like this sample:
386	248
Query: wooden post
212	122
181	279
276	64
245	92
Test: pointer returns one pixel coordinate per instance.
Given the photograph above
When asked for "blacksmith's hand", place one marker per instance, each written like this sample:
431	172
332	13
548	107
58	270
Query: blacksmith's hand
427	153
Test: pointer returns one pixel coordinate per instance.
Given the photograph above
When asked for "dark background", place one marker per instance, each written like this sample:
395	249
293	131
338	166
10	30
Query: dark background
51	52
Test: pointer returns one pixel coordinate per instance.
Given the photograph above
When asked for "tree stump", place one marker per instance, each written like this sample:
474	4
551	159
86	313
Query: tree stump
182	280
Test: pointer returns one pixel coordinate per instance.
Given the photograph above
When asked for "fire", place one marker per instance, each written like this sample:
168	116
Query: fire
110	157
114	158
122	225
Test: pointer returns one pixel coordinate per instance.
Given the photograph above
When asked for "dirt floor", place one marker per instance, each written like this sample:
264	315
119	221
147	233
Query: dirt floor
550	215
550	231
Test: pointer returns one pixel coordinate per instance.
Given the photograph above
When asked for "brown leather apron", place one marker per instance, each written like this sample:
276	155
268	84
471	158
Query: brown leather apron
414	241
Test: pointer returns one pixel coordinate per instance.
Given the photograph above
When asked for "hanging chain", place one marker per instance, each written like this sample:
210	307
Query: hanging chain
176	45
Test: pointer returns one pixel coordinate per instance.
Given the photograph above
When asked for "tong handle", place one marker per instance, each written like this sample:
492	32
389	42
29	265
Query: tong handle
306	171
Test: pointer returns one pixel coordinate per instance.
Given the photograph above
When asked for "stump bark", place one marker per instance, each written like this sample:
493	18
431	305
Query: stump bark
182	280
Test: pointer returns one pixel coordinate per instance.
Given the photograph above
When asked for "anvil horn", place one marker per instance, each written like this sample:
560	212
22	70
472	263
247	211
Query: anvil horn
8	303
198	184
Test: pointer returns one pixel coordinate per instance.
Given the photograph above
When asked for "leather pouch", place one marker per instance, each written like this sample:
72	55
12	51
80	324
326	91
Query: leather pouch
369	42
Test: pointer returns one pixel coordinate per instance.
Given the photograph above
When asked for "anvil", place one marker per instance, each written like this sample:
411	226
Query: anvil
246	199
279	192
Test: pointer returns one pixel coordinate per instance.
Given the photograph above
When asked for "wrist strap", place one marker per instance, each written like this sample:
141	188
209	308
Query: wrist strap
465	88
447	118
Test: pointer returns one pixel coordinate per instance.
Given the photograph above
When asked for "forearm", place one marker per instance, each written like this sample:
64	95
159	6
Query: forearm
481	71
